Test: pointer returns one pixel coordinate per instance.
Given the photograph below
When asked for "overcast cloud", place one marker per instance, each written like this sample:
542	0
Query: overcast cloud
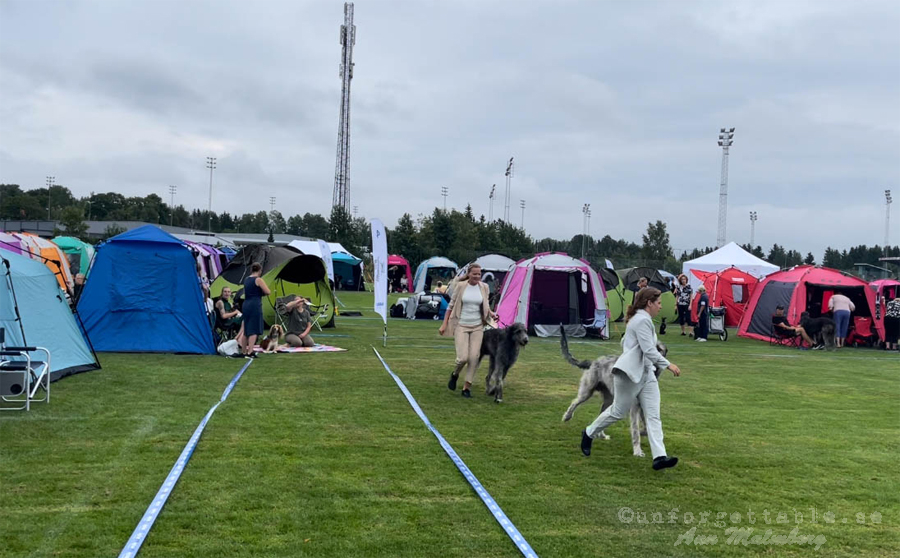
616	104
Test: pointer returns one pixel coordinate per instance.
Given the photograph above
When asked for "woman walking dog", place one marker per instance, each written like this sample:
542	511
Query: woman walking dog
634	377
464	320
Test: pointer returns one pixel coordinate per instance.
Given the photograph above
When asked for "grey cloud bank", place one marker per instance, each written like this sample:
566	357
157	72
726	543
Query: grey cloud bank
613	104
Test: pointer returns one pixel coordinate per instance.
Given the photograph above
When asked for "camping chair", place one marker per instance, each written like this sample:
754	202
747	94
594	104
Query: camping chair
777	337
862	333
20	379
318	313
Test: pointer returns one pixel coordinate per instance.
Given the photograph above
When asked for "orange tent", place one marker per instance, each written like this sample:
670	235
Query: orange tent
50	255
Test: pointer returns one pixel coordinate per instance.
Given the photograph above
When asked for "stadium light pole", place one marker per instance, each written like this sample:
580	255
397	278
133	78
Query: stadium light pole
888	200
726	138
510	172
522	205
172	190
491	203
753	218
50	180
211	165
444	191
586	211
90	205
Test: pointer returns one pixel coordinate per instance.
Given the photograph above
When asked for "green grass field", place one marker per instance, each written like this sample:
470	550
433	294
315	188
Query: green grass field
320	455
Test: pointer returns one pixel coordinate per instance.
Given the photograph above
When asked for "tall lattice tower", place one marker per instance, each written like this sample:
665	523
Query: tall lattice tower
341	194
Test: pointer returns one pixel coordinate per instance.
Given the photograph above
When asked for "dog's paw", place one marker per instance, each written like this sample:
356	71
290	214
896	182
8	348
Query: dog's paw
604	436
567	417
638	453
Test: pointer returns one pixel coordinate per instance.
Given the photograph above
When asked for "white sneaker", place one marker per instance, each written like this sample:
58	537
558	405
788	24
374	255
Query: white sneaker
701	340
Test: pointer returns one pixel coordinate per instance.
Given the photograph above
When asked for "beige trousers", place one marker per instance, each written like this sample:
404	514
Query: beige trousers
468	349
297	341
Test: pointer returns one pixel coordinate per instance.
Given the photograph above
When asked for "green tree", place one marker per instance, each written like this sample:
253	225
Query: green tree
656	246
71	219
341	227
403	240
112	230
810	259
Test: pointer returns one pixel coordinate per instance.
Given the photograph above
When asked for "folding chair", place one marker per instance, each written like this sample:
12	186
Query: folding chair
318	313
21	377
778	338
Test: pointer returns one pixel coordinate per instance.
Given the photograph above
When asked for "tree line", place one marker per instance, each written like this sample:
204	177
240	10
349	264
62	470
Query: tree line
460	236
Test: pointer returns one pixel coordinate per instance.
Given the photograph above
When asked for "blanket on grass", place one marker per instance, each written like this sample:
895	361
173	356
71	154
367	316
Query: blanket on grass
316	349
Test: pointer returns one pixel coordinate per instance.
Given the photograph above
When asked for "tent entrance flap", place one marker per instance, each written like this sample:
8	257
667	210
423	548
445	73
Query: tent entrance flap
817	297
560	298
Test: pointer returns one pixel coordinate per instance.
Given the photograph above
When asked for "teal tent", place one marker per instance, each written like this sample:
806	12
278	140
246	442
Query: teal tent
347	271
34	313
80	254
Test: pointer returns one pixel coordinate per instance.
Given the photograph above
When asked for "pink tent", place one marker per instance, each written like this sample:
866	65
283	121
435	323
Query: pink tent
394	277
550	289
12	244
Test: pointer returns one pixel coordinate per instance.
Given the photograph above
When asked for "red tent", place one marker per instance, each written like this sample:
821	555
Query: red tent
400	268
886	290
804	289
731	288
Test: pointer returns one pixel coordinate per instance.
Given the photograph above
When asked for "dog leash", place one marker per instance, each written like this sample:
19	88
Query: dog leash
143	527
488	500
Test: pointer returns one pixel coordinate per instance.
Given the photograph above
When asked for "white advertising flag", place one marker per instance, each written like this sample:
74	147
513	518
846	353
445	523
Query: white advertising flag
326	257
379	268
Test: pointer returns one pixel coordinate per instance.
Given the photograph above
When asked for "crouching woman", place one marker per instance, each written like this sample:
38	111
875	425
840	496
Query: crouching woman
634	377
464	320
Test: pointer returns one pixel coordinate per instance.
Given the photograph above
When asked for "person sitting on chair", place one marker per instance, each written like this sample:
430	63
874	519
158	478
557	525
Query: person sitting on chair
782	328
299	322
229	317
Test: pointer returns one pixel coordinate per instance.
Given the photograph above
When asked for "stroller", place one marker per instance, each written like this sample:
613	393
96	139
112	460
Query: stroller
717	322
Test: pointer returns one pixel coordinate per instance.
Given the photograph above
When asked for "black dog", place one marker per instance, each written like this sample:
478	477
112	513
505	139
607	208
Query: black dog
820	330
662	327
502	346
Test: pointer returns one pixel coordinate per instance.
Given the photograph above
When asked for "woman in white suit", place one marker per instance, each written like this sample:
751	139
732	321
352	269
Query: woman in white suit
634	377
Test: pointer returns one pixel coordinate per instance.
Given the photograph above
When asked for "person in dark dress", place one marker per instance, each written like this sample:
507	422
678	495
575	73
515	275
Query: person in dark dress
701	332
254	289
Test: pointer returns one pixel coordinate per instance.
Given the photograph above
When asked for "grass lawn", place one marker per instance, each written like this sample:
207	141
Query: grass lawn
320	455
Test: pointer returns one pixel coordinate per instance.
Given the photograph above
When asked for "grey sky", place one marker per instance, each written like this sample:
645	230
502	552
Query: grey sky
617	104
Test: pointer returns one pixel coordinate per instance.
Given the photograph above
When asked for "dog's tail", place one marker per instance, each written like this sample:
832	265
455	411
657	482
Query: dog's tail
564	347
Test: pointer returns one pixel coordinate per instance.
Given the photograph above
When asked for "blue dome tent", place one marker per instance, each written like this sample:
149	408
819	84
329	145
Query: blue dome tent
144	296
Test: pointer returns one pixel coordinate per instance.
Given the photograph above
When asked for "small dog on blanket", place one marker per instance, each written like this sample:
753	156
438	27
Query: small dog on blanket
820	330
598	376
502	347
272	342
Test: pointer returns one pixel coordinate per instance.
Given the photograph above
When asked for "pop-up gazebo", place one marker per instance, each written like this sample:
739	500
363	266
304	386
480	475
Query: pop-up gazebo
730	255
398	267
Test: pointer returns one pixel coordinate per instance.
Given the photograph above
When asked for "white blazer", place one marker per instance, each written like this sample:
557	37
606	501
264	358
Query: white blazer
639	353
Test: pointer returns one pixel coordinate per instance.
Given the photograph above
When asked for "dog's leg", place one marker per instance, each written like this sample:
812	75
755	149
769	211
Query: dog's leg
584	393
489	379
635	416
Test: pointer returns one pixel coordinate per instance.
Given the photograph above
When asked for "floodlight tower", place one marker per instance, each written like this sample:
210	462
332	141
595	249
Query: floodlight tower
522	205
491	206
726	138
510	171
211	165
341	195
888	200
172	190
272	203
50	180
444	192
753	218
586	212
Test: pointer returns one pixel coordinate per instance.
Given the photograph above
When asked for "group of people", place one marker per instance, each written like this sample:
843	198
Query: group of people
684	294
635	370
247	319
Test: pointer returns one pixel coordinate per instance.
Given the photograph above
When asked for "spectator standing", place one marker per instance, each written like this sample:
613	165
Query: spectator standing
683	293
892	324
254	289
701	332
842	307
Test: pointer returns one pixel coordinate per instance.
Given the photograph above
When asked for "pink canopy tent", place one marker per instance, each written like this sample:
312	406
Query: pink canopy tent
12	244
886	290
402	269
550	289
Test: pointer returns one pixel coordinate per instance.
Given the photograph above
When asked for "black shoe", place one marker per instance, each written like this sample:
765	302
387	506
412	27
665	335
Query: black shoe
683	333
466	393
586	442
451	385
663	462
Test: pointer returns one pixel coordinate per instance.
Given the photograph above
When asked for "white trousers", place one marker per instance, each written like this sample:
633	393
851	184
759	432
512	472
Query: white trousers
626	392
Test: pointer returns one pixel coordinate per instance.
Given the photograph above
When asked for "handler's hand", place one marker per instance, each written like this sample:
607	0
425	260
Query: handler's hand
442	329
675	370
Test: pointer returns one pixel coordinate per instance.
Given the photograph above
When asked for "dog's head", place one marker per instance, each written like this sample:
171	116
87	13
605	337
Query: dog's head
519	334
276	331
663	350
804	317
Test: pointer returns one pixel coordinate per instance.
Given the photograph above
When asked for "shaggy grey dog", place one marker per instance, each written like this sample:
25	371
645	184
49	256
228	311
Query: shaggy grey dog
821	330
502	347
598	376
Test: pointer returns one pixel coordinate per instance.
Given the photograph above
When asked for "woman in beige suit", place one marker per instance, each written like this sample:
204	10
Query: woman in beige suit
469	311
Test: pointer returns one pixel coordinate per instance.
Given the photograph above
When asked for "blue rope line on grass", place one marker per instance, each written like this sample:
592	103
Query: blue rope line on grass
140	532
488	500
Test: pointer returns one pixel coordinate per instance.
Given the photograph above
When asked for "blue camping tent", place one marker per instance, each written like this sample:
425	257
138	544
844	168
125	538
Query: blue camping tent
144	296
346	266
34	312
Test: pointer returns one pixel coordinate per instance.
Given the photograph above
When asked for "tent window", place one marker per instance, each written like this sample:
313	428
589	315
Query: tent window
737	293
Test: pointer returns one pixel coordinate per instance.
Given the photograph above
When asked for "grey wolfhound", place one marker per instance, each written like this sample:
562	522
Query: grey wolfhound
598	376
502	347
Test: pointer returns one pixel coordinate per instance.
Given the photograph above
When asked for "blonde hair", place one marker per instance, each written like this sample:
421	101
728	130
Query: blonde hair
469	271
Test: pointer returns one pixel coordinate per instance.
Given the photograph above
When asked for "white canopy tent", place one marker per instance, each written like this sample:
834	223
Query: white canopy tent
727	256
